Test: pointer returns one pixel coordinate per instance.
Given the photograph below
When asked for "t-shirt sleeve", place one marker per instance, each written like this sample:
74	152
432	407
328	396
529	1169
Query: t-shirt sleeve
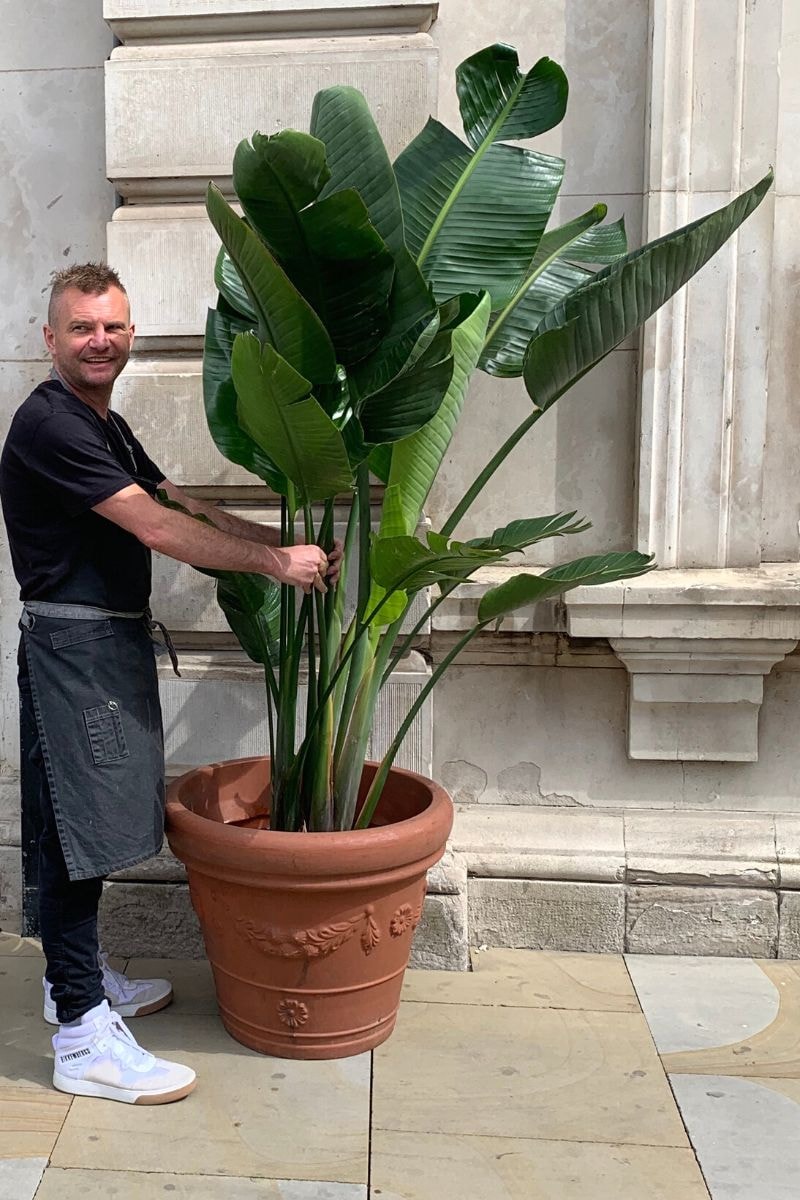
70	456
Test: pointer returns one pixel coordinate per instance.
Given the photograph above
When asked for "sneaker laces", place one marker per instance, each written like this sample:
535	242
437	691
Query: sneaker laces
120	984
125	1048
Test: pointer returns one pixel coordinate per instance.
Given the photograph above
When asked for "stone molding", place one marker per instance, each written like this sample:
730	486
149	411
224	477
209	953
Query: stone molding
152	21
697	645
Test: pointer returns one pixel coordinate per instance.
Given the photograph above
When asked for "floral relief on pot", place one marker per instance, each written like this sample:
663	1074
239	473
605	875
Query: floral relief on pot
293	1013
405	918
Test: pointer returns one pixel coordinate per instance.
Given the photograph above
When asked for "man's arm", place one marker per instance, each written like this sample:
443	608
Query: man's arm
251	531
180	537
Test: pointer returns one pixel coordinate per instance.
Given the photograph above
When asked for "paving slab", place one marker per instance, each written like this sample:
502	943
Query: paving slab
530	979
746	1135
20	1177
701	1003
771	1052
12	944
133	1185
250	1115
30	1120
517	1072
413	1166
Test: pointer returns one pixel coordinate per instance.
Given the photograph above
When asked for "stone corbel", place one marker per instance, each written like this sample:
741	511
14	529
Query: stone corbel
697	645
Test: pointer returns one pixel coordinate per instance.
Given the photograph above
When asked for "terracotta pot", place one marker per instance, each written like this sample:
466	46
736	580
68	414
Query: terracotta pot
308	934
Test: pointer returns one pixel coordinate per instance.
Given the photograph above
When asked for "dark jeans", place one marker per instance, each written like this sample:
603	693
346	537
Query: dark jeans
67	909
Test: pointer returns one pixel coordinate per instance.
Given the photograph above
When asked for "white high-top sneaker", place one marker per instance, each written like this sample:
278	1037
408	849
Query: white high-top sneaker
98	1056
128	997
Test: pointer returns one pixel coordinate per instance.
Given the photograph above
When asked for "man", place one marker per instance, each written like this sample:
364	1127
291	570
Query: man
77	492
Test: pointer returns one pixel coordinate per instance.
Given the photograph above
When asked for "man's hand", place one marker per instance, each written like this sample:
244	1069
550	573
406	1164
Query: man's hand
300	566
335	562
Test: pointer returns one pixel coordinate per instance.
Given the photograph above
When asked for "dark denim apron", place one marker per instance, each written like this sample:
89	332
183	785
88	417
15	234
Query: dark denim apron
95	694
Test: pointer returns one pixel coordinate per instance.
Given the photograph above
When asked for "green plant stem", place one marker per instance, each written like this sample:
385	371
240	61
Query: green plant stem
408	640
364	533
474	490
376	787
270	722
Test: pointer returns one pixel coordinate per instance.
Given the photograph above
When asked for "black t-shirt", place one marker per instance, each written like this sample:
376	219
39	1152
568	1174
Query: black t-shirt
60	459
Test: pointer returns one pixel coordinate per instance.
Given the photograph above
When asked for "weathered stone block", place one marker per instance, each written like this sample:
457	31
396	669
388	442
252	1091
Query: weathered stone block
10	882
164	868
685	920
440	943
789	925
149	920
528	914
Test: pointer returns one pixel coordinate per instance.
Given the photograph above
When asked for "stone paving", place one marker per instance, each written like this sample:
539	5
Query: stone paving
537	1076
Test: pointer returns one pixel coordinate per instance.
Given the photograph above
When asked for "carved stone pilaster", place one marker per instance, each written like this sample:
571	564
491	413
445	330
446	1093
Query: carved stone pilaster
714	103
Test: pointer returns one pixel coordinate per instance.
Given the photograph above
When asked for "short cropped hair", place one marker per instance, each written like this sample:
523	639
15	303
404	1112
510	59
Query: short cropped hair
92	278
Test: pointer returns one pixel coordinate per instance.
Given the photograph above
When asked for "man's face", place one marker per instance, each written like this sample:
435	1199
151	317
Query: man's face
90	338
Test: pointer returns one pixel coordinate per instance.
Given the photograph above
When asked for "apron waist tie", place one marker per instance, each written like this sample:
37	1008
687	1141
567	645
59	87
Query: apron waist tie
88	612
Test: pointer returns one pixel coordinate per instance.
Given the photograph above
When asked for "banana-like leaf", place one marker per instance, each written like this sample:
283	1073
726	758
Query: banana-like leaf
275	178
231	288
285	319
389	362
328	248
522	590
408	403
589	323
357	158
220	400
499	103
276	409
405	562
416	460
474	219
519	534
549	278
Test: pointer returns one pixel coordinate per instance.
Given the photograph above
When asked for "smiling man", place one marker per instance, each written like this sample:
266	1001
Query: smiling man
78	496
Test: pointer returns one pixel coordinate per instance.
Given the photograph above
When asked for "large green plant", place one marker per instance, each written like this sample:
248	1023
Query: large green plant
356	299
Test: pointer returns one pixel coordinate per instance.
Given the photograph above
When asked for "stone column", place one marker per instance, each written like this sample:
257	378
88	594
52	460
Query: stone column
713	126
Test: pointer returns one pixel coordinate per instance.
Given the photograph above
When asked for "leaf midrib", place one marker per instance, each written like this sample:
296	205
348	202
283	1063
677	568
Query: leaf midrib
477	155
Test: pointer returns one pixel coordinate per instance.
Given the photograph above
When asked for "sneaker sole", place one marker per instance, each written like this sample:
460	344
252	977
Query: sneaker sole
102	1091
127	1010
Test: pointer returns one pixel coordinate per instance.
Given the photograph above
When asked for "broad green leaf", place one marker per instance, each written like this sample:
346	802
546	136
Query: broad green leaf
589	323
408	403
522	590
380	462
256	625
275	178
219	396
600	244
474	220
357	158
390	361
499	103
285	320
416	460
511	328
277	410
354	273
519	534
405	562
231	288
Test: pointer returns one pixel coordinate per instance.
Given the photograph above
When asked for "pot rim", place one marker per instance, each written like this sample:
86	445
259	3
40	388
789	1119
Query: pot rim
198	839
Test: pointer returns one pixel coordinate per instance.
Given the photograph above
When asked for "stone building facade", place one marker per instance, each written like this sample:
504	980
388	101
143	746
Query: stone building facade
626	764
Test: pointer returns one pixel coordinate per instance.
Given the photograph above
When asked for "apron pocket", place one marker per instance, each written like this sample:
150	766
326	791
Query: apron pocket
80	631
106	735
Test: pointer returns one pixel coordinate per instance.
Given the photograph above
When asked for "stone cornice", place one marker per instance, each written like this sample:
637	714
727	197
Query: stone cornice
159	21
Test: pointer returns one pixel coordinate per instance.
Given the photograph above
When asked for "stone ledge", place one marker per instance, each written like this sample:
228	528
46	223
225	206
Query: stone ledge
634	846
135	22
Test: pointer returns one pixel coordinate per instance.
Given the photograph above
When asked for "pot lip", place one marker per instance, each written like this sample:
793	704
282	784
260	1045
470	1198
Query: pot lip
439	811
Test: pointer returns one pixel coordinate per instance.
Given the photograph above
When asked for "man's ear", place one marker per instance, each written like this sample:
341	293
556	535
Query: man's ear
132	331
49	338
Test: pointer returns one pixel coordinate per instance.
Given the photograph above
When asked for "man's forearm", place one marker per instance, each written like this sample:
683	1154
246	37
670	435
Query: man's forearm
191	541
251	531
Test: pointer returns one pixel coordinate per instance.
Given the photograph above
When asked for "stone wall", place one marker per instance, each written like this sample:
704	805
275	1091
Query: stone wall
625	764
